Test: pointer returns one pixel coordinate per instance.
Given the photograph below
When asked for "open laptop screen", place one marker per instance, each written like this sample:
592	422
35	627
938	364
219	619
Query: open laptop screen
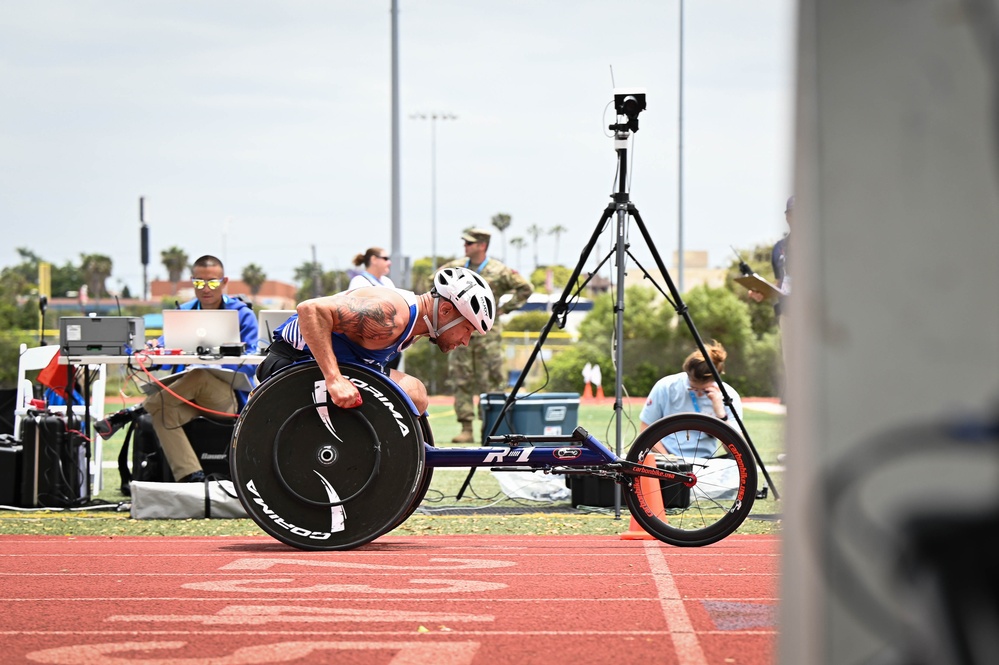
196	331
268	321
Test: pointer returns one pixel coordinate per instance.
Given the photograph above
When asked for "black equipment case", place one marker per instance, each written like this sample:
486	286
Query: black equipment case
55	463
209	439
10	470
599	492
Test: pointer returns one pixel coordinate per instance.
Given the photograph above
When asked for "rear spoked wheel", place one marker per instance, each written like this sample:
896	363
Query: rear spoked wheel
724	486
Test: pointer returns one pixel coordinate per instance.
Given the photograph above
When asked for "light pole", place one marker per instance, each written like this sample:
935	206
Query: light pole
433	118
679	171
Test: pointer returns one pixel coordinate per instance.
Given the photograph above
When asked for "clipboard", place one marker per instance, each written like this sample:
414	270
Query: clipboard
756	283
238	380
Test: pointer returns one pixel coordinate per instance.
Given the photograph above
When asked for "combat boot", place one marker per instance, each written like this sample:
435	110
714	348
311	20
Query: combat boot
466	435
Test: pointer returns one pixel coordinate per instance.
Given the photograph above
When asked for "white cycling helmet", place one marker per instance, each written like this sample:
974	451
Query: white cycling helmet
469	293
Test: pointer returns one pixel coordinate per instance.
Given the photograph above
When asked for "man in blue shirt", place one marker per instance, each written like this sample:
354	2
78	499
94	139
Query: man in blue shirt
197	392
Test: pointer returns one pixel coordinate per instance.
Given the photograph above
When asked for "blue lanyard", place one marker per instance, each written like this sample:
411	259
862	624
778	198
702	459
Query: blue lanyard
693	398
481	265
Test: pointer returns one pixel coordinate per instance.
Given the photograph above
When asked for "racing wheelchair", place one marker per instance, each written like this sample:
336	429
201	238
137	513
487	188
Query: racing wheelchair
317	477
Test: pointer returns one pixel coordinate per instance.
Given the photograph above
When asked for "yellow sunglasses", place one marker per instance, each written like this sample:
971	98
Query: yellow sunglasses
211	283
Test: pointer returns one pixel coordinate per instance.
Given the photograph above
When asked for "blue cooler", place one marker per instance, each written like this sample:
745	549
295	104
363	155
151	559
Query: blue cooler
540	413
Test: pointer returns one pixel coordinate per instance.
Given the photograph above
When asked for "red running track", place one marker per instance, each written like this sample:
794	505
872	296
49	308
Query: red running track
443	600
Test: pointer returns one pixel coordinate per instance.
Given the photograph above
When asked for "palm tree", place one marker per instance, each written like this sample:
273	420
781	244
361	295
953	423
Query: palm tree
96	268
557	231
175	261
534	231
518	244
254	276
310	276
502	222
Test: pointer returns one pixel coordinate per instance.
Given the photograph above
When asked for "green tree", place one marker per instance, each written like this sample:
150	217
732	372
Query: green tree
254	276
560	277
66	278
175	260
648	338
502	222
315	282
96	269
533	321
22	279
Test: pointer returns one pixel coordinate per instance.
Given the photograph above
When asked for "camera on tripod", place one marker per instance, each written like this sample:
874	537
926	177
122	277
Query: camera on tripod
628	102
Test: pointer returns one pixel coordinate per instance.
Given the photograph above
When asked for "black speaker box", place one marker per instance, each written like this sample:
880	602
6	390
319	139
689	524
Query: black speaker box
10	470
149	464
209	439
8	398
591	491
54	469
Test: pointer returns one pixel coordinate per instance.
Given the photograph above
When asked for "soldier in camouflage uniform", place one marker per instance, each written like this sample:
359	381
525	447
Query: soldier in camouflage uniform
478	368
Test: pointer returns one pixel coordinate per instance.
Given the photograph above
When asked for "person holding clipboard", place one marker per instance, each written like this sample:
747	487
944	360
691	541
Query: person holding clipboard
760	289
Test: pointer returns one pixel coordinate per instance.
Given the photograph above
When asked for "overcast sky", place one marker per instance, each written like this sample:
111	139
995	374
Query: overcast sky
256	130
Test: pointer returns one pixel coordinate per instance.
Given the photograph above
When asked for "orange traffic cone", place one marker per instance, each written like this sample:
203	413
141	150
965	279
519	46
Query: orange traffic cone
651	491
587	391
600	392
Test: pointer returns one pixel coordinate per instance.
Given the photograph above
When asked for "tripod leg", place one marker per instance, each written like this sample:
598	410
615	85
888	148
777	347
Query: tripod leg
558	309
681	309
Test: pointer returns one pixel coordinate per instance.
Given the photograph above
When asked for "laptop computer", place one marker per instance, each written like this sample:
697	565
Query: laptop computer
267	321
200	331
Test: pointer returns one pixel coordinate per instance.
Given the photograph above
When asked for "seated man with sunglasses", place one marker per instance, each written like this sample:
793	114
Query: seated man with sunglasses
198	389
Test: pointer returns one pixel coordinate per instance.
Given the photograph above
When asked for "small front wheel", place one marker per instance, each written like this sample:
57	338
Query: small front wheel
724	486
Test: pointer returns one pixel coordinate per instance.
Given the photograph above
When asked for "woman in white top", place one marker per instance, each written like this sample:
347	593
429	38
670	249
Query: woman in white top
692	390
376	269
377	265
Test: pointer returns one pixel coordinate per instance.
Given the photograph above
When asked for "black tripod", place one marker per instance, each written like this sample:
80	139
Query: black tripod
621	208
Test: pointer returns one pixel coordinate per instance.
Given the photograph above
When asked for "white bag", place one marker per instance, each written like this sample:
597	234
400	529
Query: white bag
178	501
533	486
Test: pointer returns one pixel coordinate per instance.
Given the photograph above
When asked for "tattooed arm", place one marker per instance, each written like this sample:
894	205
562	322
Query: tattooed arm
369	317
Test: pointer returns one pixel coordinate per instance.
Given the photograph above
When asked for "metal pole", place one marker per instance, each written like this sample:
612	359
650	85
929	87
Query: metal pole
144	247
397	258
433	191
679	171
317	275
433	118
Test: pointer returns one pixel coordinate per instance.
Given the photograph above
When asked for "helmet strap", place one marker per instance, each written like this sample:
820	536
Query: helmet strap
434	331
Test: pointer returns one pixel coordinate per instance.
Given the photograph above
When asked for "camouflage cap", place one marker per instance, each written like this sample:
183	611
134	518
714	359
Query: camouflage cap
476	235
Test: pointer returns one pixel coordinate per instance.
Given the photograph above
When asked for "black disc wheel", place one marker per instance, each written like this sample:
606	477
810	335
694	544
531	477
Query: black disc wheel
428	473
724	480
318	477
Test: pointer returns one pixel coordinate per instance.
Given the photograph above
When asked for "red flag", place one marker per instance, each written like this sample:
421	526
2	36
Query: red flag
55	376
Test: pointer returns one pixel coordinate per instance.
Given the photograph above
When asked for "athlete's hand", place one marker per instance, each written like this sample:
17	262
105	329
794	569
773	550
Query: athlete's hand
343	393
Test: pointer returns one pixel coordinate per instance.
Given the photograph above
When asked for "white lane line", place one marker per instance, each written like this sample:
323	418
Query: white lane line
688	648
